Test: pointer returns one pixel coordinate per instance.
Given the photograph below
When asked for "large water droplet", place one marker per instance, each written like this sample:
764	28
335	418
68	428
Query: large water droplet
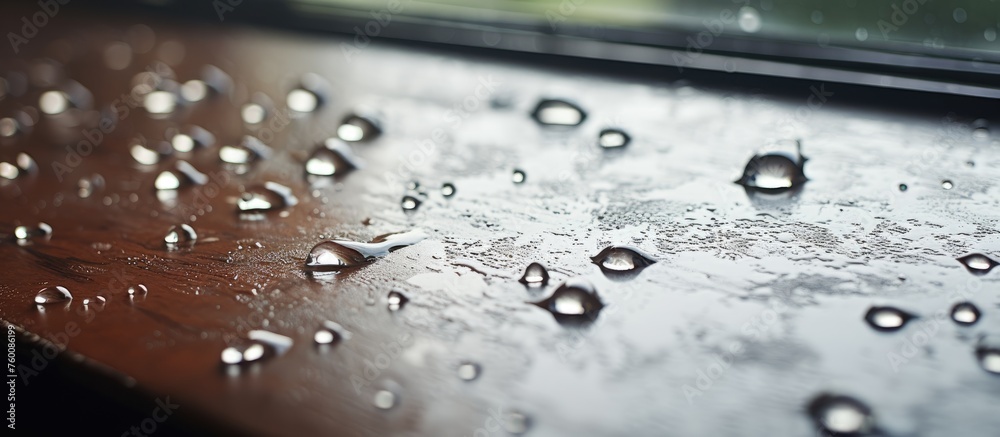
335	255
558	113
887	318
53	102
965	313
468	370
180	236
160	102
622	259
167	180
774	172
574	301
359	128
978	264
266	197
841	414
395	300
334	157
330	333
24	235
535	275
50	295
613	139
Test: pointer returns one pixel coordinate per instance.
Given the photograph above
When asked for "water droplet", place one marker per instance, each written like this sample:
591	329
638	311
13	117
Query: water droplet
535	275
749	20
574	301
53	102
359	128
180	236
232	355
331	333
447	189
396	300
309	95
138	290
160	102
192	137
8	171
56	294
334	157
410	203
276	342
516	422
267	197
841	414
558	113
903	187
335	255
167	180
194	90
622	259
887	318
384	399
247	151
989	358
257	110
977	264
26	164
9	126
97	301
468	370
148	154
23	234
613	139
774	172
965	313
518	177
946	184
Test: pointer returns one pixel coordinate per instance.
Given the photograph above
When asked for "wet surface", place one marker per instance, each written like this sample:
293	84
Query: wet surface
753	319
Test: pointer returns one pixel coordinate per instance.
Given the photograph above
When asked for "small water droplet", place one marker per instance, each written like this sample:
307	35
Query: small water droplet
518	177
53	102
160	102
447	189
749	20
276	342
97	301
330	333
167	180
137	290
989	358
309	95
977	264
552	112
359	128
622	259
266	197
148	154
965	313
410	203
194	90
887	318
190	138
946	184
232	355
516	422
336	255
180	236
247	151
574	301
396	300
903	187
841	414
774	172
50	295
613	139
535	275
384	399
257	110
468	370
24	235
334	157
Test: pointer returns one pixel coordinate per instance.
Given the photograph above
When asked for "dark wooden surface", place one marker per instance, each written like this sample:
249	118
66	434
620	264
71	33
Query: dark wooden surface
789	279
